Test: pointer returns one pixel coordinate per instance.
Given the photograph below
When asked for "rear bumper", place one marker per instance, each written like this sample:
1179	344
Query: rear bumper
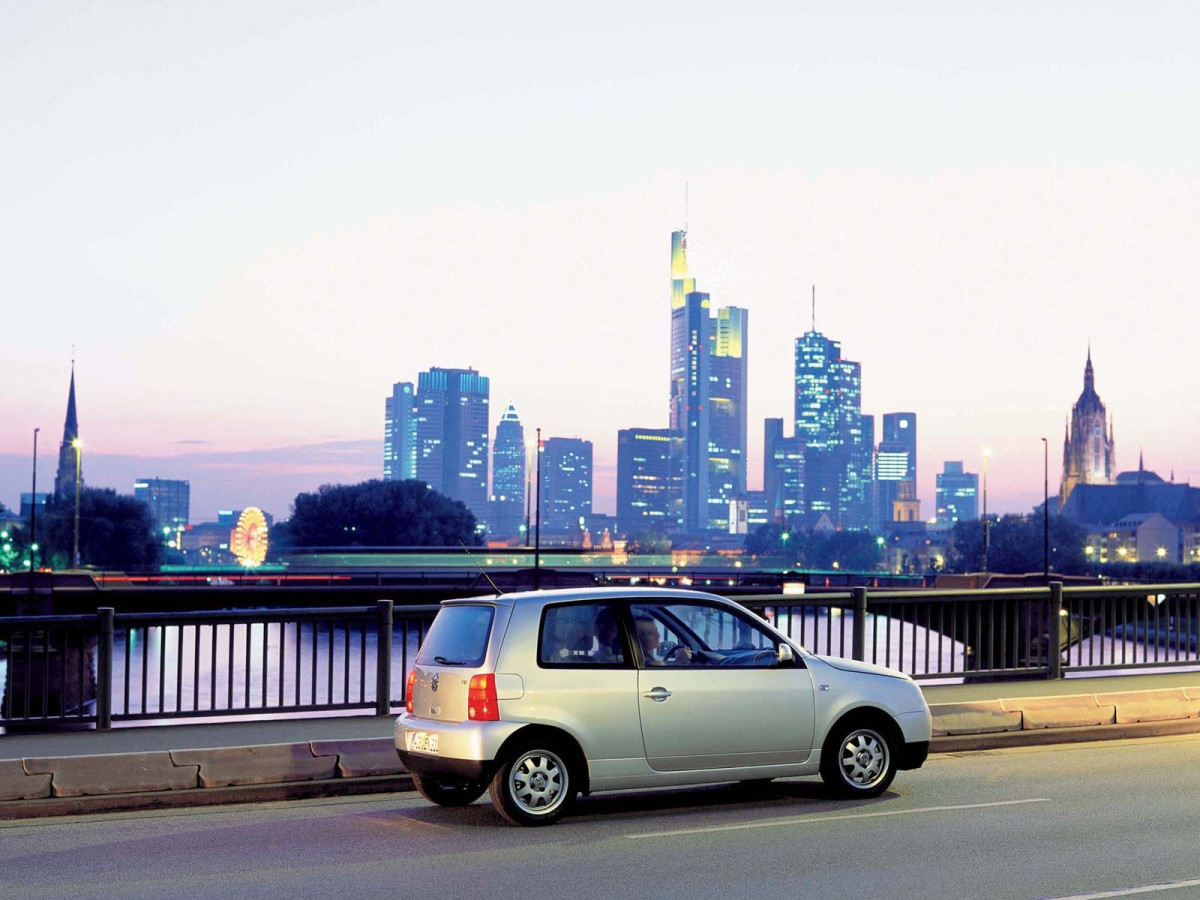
444	767
912	755
465	749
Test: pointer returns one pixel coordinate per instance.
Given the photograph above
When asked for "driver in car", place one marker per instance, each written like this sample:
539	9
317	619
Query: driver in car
675	654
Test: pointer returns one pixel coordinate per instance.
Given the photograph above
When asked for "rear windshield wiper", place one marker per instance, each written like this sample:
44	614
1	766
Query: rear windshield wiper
441	660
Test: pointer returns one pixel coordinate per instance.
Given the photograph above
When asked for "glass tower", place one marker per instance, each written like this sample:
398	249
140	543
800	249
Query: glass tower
452	435
957	494
508	476
400	433
647	483
566	486
838	438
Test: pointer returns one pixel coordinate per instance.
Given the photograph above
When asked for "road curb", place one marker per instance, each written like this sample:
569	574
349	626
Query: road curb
220	796
959	743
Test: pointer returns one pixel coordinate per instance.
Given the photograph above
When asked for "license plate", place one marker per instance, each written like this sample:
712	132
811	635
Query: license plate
422	742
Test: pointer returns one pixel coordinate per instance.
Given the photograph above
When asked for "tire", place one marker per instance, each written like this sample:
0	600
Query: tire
535	785
448	791
859	758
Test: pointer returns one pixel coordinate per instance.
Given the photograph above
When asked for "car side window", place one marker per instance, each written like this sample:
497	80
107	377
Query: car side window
687	634
581	634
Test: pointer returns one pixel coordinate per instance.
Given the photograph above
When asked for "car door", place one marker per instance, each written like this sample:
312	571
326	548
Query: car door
711	691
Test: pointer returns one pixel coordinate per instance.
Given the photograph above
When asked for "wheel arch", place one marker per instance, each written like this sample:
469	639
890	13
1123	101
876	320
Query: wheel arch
578	759
867	714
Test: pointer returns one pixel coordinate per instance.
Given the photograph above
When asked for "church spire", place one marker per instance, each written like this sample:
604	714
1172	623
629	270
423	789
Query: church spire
1089	376
65	478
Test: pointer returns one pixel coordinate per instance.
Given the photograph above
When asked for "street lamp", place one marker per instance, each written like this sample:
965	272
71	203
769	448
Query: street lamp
986	537
33	516
78	445
1045	509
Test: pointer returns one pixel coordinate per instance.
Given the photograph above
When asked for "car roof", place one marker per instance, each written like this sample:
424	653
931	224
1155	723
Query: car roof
561	595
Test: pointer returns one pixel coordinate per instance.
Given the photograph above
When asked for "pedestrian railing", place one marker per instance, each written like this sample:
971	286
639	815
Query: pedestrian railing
142	666
109	667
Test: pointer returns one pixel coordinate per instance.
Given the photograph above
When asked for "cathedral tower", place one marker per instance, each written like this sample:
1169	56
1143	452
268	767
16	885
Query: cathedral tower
1088	444
64	479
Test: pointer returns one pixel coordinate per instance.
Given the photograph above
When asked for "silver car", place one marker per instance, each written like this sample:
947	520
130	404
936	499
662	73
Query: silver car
539	697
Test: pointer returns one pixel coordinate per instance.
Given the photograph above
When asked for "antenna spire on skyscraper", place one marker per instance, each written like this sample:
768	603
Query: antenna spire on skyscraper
814	308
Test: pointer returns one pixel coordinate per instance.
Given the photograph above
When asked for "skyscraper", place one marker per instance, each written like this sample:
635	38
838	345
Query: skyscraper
452	435
508	476
1088	455
727	377
566	485
68	452
957	494
828	416
647	481
400	433
709	356
895	463
169	500
783	473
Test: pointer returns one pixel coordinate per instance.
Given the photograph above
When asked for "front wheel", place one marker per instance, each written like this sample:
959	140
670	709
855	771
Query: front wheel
448	791
534	785
858	760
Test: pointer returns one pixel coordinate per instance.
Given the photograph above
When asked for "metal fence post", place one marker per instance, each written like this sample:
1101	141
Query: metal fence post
104	660
859	648
383	659
1054	669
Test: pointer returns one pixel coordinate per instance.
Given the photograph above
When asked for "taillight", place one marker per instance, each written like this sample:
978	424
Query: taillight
481	699
408	690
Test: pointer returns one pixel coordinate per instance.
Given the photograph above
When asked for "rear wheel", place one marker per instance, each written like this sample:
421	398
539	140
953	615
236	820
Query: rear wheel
534	786
448	791
859	759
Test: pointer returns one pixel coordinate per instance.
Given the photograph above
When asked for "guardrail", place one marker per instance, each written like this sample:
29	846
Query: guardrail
106	667
140	666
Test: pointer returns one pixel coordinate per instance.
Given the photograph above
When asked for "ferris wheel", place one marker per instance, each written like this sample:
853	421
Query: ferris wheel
249	539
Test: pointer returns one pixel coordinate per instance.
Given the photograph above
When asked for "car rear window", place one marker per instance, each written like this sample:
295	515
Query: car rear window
457	637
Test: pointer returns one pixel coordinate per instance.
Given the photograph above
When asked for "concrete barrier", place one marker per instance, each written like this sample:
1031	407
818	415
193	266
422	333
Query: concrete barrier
263	764
357	758
1073	711
114	773
1151	706
16	784
978	717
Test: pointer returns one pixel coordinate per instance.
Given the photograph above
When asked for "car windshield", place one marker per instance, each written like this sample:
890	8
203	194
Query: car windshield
458	637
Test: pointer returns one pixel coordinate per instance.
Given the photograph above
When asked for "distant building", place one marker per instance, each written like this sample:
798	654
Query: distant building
400	433
709	367
452	435
27	503
1138	537
957	494
895	462
566	486
1088	456
1135	495
69	456
783	476
169	500
837	437
727	377
508	476
647	481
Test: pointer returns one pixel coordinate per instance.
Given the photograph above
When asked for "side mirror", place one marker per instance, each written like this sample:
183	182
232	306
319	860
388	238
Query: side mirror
786	656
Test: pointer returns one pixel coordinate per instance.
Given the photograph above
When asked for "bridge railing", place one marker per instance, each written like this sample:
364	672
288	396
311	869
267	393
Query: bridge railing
212	664
106	667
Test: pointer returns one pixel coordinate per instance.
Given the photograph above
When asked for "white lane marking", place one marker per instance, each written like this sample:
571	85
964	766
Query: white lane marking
1129	892
806	820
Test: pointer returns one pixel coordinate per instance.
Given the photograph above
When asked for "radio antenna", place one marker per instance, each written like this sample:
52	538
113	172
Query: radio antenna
482	570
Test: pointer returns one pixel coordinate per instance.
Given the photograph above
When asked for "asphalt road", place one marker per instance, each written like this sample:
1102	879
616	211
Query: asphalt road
1058	821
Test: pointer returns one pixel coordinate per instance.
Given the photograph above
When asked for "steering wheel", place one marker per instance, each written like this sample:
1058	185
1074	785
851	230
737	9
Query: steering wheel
766	658
675	653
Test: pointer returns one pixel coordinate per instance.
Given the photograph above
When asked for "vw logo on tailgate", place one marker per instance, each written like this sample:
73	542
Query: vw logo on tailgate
434	683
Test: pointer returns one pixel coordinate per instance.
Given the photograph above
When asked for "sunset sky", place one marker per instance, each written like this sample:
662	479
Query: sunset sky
251	219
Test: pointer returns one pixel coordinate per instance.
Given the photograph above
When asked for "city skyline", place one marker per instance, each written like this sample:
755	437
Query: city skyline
970	213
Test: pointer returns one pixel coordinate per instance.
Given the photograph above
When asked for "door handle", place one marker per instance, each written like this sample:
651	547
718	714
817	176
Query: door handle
658	694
